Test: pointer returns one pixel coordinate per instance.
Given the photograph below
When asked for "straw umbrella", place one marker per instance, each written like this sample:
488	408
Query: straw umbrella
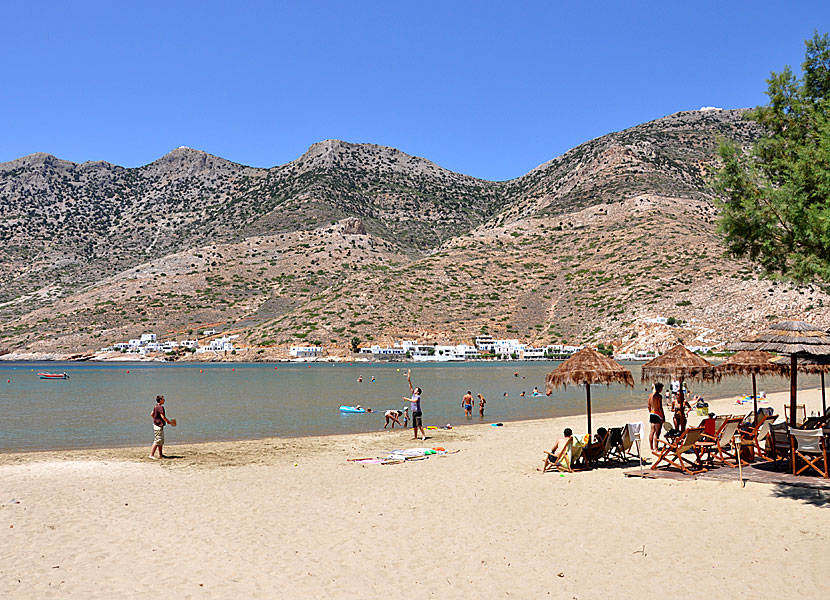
752	362
681	363
795	338
588	367
812	365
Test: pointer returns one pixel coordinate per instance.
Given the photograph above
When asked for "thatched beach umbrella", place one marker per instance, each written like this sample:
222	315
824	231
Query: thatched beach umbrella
795	338
812	365
752	362
679	363
588	367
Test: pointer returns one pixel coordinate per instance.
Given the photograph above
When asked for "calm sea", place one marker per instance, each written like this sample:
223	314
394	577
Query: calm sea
108	405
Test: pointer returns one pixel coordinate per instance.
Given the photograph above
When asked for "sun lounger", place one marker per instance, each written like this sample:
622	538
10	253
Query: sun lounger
725	450
673	452
800	414
778	443
810	449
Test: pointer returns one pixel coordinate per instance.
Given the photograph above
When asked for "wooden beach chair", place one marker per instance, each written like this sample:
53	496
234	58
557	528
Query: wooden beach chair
800	414
725	450
674	451
809	447
568	460
760	439
615	447
778	444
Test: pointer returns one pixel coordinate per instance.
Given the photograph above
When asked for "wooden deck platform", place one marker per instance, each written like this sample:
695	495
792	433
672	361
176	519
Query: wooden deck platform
759	472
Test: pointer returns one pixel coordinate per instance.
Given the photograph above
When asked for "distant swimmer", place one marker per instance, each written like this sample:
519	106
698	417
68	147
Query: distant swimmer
522	394
536	391
360	379
373	378
515	373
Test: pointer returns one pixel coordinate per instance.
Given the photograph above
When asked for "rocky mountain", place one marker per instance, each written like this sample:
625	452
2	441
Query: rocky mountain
358	240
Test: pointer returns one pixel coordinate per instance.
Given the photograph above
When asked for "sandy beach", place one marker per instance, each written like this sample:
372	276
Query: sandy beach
291	518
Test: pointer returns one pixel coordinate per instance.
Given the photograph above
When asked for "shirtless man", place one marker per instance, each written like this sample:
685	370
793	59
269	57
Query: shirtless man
559	448
655	416
481	403
467	404
680	407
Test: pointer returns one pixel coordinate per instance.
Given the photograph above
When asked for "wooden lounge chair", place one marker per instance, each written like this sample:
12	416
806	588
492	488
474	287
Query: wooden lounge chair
778	444
615	449
673	452
725	450
568	460
800	414
760	439
809	447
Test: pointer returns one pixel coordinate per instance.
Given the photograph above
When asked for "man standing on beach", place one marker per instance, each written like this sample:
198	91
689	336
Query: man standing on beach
159	419
415	404
656	416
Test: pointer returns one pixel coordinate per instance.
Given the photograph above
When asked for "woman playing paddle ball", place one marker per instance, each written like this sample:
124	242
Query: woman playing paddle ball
415	405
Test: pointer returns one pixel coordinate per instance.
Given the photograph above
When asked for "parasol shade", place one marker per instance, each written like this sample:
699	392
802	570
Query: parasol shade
588	367
680	363
752	362
795	338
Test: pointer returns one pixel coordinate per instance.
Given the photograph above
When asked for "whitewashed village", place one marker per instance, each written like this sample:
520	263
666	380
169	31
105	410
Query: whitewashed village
211	344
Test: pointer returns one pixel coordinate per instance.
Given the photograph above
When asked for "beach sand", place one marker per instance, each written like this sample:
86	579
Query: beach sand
291	518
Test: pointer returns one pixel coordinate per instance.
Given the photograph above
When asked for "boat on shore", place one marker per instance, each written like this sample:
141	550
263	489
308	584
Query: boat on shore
53	375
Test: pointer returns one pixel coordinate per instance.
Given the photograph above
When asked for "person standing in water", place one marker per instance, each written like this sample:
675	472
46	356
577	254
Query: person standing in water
467	404
481	403
655	416
159	420
415	405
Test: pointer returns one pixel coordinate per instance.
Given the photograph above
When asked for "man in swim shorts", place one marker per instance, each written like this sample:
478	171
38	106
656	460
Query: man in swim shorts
467	403
559	448
481	403
655	416
159	420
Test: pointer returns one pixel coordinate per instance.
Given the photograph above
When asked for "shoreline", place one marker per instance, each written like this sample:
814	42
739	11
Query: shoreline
722	405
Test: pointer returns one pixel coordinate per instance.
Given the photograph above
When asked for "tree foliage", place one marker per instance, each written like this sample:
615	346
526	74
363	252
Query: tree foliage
776	196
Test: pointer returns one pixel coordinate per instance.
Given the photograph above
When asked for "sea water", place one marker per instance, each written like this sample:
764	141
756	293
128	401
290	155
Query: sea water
109	404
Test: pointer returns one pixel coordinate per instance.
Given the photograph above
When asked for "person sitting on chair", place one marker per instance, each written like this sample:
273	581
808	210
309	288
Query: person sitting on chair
559	448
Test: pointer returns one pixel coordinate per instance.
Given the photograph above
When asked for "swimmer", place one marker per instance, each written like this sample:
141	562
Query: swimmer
481	403
360	379
373	378
522	395
467	404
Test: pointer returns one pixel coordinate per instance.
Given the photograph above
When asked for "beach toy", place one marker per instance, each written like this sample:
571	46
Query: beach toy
351	409
233	369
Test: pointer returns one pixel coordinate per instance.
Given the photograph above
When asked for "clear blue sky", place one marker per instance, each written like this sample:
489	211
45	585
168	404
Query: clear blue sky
490	89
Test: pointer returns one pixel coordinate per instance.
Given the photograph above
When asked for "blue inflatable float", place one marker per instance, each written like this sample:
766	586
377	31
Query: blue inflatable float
352	409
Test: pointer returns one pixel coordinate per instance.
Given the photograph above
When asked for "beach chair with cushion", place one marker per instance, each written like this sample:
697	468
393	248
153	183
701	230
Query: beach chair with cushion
761	440
808	449
672	454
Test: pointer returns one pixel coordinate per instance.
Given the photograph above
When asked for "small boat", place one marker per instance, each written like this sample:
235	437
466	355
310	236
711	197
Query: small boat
352	409
53	375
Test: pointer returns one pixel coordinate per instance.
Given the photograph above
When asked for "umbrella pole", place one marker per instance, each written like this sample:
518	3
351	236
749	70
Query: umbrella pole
793	389
823	401
588	395
754	401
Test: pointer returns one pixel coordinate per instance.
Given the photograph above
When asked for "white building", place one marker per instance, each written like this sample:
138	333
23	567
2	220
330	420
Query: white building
189	344
530	353
148	337
484	343
376	350
305	351
507	347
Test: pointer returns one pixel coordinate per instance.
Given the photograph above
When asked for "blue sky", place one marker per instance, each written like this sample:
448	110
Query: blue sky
483	88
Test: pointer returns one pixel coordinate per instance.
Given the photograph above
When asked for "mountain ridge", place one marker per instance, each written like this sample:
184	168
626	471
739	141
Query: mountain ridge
329	246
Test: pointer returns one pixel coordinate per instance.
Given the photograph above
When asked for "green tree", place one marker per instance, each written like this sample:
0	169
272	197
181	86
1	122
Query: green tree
775	206
355	344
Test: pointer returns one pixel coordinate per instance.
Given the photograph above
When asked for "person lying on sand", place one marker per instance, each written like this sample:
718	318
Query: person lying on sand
559	448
